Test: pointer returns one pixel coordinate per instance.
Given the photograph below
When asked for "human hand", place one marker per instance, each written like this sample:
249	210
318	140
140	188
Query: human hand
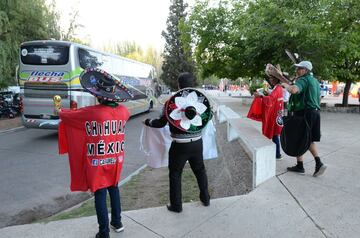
146	121
258	94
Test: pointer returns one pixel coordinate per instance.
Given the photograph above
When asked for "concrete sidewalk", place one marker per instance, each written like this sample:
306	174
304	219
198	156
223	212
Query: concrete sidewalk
288	205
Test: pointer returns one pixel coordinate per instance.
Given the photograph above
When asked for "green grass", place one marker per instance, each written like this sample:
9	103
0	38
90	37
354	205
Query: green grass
86	209
150	188
190	190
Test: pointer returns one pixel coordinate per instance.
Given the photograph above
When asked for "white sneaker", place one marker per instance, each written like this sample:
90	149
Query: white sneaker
118	228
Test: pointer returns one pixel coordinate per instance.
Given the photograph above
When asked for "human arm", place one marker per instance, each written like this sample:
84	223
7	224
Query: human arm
299	86
258	94
293	89
157	122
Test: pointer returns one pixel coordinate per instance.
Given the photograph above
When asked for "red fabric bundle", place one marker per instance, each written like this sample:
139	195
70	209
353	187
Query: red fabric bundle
269	111
255	111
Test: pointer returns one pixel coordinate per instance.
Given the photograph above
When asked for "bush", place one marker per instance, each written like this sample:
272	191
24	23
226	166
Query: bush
254	87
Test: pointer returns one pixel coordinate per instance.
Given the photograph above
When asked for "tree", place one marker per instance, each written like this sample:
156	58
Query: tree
68	34
176	58
237	38
123	48
52	19
72	25
153	56
211	80
211	33
132	50
341	27
22	21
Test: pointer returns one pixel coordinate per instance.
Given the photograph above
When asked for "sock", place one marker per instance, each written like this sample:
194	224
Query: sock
317	160
300	164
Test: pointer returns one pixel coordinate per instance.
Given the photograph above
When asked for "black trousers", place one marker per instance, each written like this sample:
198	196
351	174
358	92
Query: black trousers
179	153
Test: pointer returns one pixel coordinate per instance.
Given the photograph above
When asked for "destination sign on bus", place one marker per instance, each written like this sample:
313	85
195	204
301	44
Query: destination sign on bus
46	76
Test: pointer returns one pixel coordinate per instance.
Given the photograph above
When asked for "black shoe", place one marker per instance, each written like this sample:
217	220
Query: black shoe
205	201
117	228
99	235
296	169
319	169
170	208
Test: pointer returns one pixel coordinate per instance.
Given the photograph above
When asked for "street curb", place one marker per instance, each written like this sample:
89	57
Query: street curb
123	182
343	110
11	130
128	178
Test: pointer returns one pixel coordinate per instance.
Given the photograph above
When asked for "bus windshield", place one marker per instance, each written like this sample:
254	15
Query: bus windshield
44	54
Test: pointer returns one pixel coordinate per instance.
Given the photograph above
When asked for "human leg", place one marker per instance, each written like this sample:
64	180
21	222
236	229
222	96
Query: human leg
319	166
313	150
177	160
102	212
115	203
197	166
276	140
314	118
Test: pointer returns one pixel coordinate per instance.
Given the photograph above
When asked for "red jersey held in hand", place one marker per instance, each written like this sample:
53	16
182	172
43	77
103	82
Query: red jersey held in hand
93	137
273	108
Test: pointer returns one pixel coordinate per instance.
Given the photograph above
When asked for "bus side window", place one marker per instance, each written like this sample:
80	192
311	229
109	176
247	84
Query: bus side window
88	59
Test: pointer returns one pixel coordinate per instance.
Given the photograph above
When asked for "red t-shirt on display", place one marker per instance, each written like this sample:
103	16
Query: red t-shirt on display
93	137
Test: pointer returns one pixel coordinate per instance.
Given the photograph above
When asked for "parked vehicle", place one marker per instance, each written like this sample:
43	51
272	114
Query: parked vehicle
6	98
6	110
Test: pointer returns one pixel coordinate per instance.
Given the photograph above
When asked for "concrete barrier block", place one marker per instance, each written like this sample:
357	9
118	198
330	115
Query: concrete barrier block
232	132
259	148
264	164
225	113
219	114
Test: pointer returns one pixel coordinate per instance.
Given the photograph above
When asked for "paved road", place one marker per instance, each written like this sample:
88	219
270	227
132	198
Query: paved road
34	179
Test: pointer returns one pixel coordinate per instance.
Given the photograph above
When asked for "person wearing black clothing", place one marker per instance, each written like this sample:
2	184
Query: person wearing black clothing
184	147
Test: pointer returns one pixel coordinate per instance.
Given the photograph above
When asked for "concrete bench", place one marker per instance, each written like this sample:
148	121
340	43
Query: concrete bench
225	113
259	148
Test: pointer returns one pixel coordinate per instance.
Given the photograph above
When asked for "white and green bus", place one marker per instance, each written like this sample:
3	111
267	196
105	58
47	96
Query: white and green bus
49	68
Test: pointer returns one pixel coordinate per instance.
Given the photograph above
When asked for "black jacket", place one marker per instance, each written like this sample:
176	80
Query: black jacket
175	132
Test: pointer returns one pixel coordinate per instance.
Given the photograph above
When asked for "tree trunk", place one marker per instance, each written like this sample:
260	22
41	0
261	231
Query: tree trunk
345	100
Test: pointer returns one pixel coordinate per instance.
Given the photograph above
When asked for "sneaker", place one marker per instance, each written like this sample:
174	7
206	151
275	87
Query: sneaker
99	235
172	209
279	158
117	228
296	169
319	169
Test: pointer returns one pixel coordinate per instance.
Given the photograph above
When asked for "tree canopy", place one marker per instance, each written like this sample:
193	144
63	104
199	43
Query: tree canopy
26	20
132	50
177	52
237	38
